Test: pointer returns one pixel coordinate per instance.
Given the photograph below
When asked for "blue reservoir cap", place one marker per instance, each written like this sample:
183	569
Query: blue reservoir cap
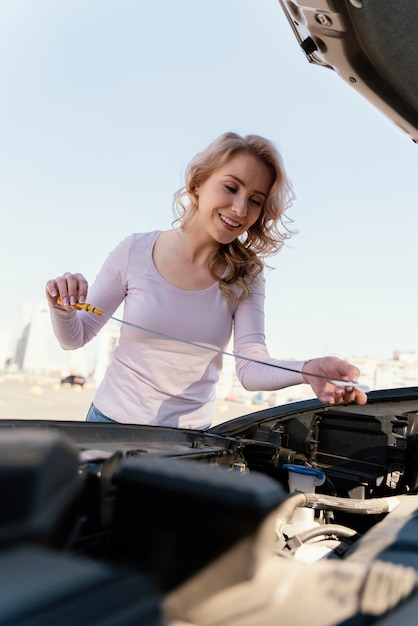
302	469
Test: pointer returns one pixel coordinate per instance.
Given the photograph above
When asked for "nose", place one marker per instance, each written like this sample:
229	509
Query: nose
239	205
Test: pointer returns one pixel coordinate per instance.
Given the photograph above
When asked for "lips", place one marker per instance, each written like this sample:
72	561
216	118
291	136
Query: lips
229	223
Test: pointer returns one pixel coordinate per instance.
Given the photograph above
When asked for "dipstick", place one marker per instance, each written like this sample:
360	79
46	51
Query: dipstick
92	309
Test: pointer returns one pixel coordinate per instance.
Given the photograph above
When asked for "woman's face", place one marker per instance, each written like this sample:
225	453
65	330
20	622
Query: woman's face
231	199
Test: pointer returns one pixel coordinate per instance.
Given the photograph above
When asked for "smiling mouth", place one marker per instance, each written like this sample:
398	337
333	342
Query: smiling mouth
228	222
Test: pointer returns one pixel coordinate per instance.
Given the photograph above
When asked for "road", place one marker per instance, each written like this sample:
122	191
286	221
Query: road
39	398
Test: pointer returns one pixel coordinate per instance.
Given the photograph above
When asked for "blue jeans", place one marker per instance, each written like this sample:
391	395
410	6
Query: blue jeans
94	415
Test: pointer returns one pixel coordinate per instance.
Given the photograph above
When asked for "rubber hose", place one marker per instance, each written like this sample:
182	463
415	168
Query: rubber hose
373	506
326	529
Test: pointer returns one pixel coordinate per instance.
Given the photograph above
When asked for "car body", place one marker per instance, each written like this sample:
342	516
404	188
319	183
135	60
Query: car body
115	524
73	379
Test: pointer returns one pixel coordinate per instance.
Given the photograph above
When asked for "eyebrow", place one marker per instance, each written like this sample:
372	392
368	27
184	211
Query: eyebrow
243	184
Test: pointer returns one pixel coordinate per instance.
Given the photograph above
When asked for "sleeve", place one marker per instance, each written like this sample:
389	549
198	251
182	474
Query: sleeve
74	329
268	374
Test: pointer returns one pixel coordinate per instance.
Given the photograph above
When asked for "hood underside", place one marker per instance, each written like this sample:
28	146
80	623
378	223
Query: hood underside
371	44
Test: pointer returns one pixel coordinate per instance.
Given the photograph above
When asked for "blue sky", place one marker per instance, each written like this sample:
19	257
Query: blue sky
103	104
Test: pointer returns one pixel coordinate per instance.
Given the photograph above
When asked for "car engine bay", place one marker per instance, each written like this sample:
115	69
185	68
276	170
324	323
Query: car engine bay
301	500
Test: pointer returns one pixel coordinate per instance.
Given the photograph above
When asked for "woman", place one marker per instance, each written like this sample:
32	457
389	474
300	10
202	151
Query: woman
200	281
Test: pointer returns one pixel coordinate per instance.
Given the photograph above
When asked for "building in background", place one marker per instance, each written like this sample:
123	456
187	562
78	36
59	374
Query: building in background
39	353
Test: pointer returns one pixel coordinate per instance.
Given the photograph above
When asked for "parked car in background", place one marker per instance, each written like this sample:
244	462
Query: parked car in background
296	514
73	380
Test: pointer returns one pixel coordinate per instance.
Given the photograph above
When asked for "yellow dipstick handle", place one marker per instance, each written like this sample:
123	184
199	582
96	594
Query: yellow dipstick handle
84	306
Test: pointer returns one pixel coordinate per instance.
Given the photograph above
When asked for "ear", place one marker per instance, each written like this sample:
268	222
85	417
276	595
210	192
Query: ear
196	190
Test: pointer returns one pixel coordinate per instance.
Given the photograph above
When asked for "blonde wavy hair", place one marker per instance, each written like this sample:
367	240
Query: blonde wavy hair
244	256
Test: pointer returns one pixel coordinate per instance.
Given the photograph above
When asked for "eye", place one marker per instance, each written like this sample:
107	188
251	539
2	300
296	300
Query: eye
231	189
256	202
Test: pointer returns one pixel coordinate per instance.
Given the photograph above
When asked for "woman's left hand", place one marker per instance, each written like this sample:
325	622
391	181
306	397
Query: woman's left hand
331	368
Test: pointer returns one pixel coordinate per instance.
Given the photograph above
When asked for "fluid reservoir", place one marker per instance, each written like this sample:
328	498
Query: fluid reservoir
305	479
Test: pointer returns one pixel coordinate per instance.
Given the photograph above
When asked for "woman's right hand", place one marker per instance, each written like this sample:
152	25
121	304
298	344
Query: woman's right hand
70	288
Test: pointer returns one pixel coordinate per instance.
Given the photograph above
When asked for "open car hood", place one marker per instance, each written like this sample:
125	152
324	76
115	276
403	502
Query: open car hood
371	44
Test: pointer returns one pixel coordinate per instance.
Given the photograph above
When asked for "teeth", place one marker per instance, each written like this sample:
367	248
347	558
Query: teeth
229	222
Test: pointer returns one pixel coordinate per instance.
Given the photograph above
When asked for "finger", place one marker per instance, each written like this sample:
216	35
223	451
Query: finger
360	397
348	371
329	394
340	395
61	283
83	286
327	398
72	288
57	292
51	289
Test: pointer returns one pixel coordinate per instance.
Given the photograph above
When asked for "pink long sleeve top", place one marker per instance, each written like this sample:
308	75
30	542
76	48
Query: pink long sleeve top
158	381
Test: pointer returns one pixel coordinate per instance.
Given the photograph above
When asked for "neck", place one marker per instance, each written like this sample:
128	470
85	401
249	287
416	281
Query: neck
196	247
